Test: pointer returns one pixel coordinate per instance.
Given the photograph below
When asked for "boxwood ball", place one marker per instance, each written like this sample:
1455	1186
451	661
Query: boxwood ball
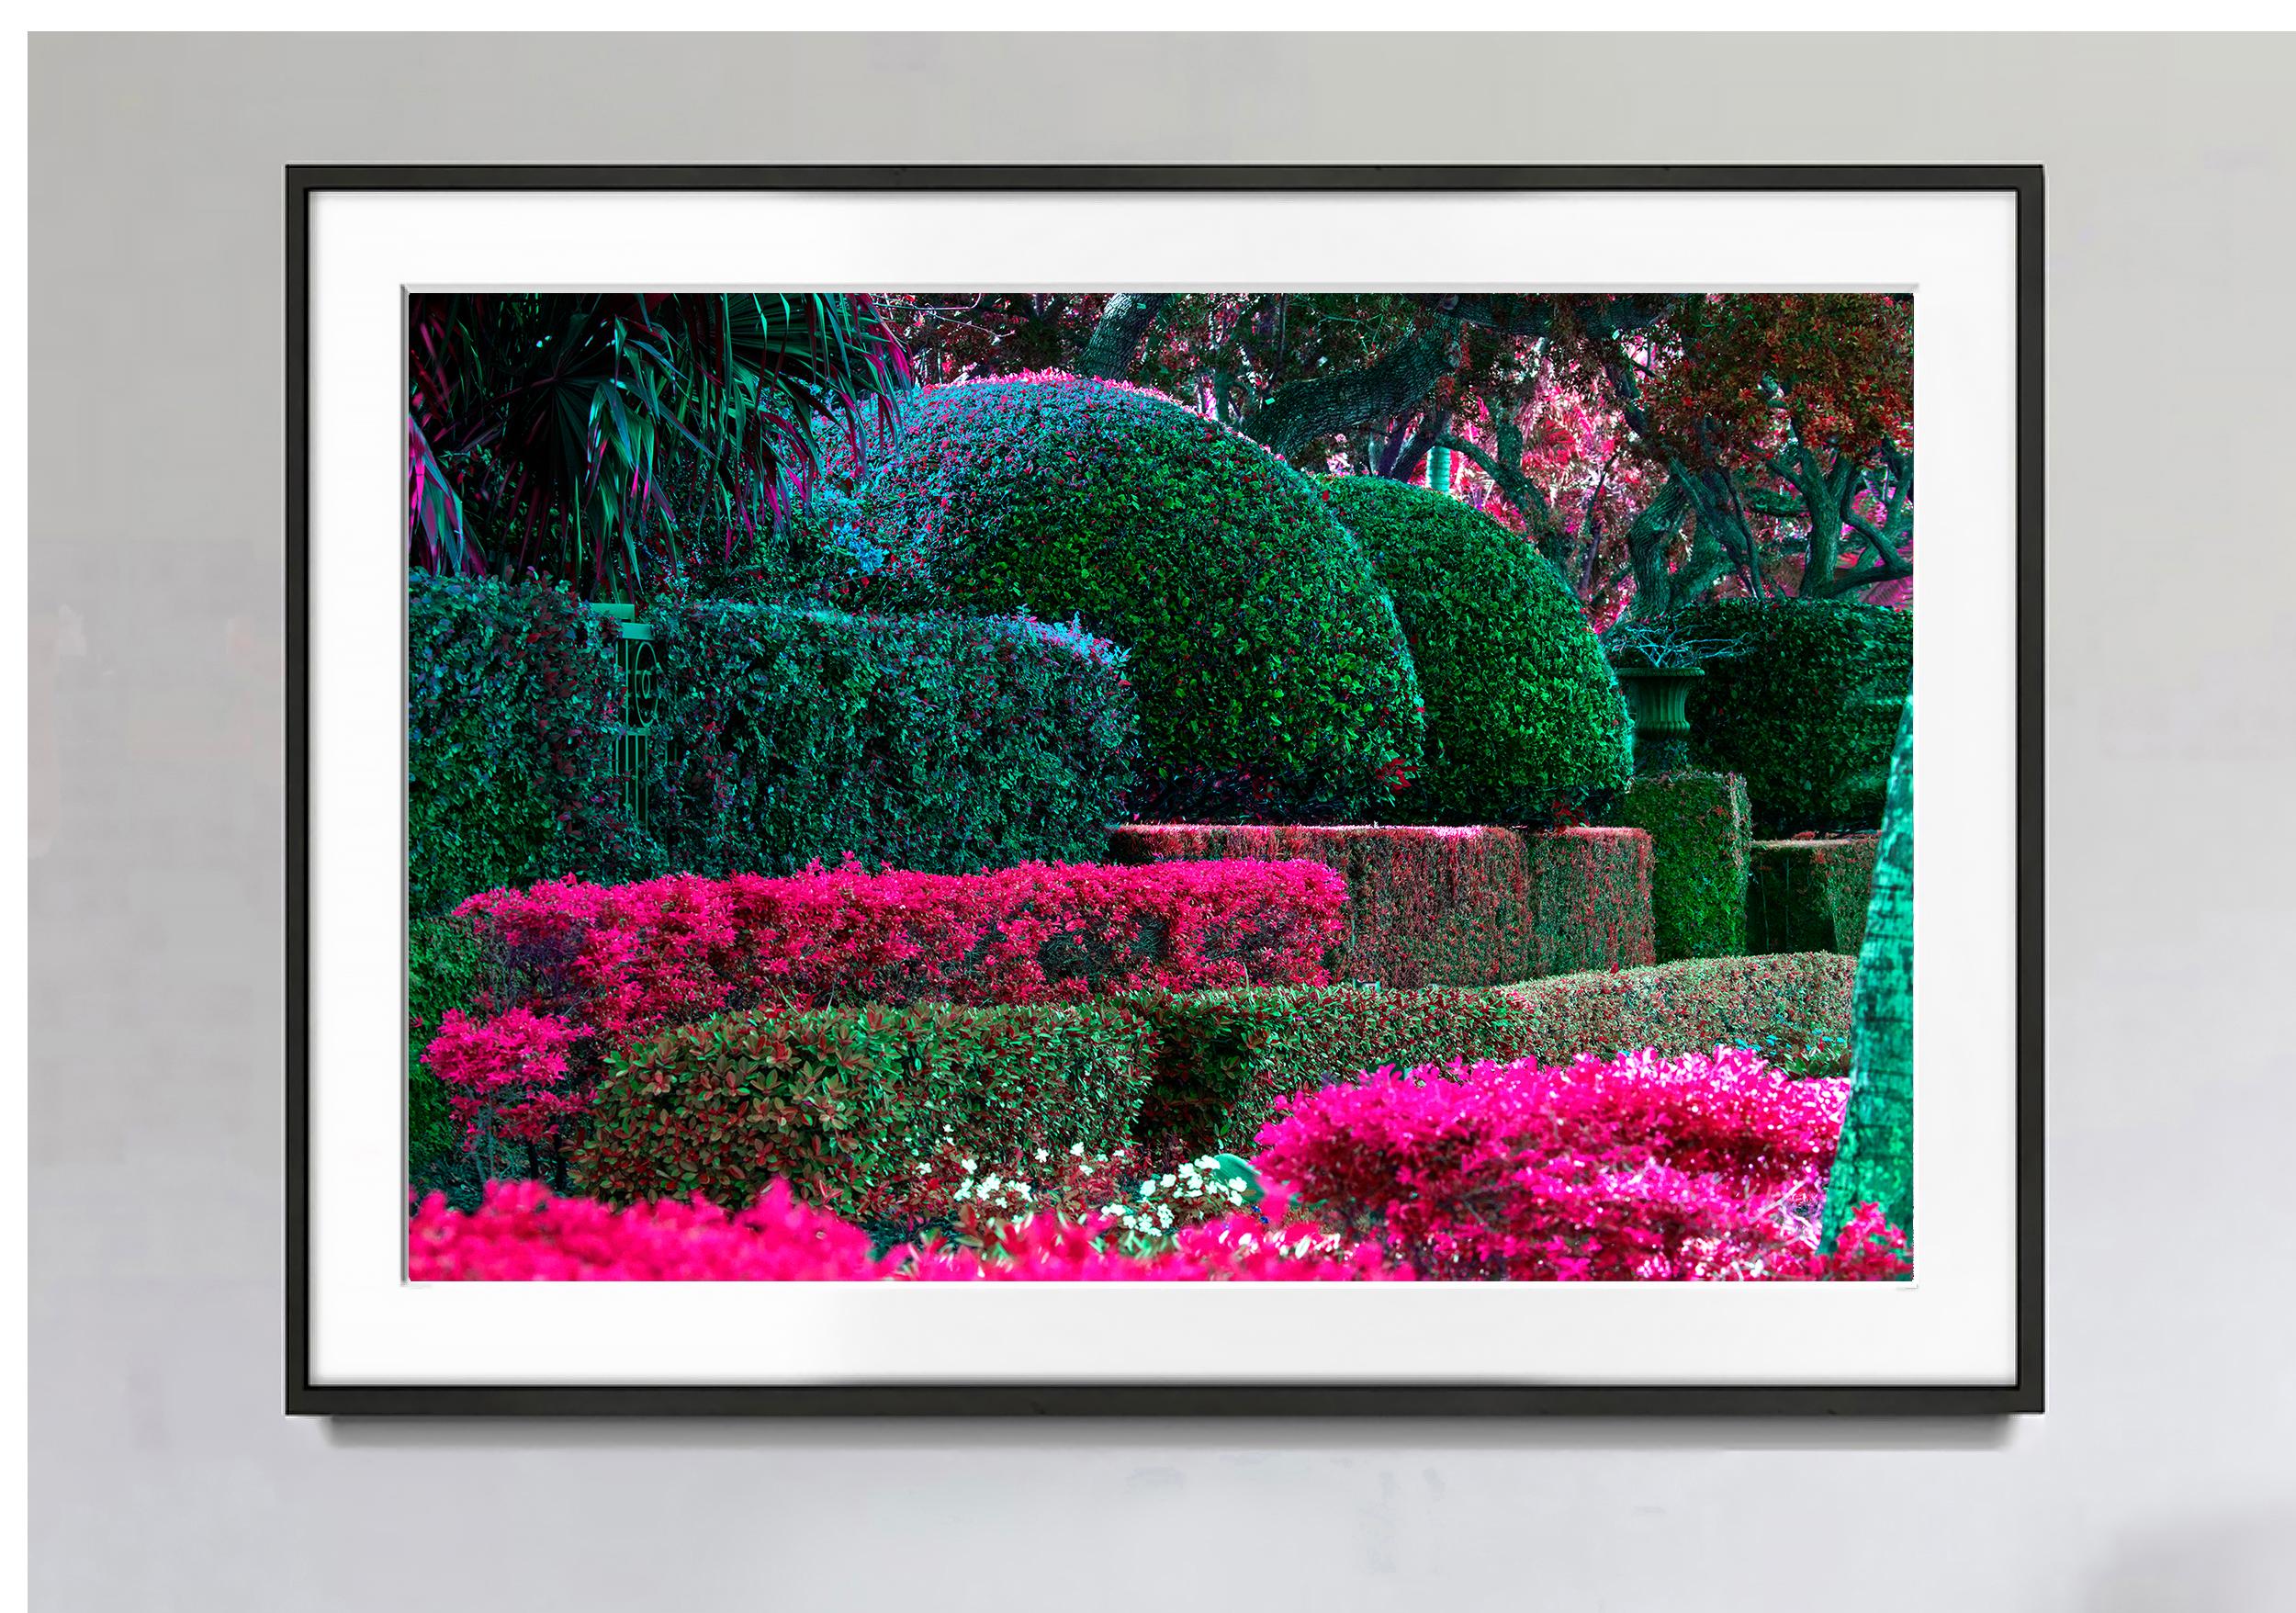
1272	676
1523	710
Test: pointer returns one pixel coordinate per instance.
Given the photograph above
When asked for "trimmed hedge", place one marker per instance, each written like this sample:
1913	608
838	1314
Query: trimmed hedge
1695	1006
1810	895
1806	708
1225	1057
511	701
1524	715
1450	906
1700	834
836	1101
941	744
1273	679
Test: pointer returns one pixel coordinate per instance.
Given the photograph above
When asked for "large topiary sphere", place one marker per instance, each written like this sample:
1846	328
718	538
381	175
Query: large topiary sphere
1272	678
1524	712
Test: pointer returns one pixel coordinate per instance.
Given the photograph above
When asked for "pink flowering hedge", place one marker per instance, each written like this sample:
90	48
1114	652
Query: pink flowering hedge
1451	907
525	1234
1700	1167
629	959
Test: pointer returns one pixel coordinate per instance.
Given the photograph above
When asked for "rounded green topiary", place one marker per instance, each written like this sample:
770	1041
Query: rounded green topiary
1272	677
1524	712
1804	705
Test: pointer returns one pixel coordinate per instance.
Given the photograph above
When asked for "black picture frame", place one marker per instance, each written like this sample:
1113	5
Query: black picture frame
1384	1399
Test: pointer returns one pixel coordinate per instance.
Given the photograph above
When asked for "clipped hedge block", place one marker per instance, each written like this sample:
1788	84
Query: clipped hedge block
1450	906
1524	714
835	1102
511	694
1701	830
1810	895
939	744
1781	1003
1224	1058
1805	706
1273	678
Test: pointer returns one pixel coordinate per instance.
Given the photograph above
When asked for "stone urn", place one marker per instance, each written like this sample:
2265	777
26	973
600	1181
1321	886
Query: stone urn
1659	697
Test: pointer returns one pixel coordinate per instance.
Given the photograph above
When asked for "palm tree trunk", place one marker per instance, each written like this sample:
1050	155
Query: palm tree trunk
1875	1161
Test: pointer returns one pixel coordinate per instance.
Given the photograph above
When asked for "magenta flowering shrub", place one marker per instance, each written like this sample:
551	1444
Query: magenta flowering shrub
524	1234
1706	1167
631	959
506	1076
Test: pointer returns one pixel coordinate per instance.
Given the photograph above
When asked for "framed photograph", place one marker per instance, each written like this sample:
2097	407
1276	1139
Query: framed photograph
1126	791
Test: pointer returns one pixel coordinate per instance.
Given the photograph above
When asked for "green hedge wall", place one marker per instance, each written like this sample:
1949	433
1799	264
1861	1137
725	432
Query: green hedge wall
1222	1058
1810	895
1701	833
834	1100
444	968
510	696
1805	709
1524	714
1451	907
940	744
1274	682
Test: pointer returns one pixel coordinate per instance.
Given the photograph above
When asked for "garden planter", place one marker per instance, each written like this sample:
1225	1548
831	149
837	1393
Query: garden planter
1660	697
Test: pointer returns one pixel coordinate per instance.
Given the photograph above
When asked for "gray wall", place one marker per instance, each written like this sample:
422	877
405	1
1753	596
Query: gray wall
166	1476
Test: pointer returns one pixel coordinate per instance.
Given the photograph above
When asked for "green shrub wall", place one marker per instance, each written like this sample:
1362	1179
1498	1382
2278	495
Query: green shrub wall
1222	1058
1274	683
1810	895
1806	708
1524	716
1701	837
444	968
834	1100
511	701
939	744
1430	906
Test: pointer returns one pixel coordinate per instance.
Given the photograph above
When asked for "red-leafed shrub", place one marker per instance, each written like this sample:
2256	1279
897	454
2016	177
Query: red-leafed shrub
524	1234
839	1101
1809	896
1451	907
1706	1166
633	958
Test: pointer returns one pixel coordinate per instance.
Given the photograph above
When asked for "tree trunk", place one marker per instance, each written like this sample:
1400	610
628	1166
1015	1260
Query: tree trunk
1125	325
1875	1161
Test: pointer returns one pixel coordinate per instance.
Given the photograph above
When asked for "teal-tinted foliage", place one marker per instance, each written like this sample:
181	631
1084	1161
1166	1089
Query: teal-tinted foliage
1806	708
1875	1161
1524	714
512	695
1274	682
943	744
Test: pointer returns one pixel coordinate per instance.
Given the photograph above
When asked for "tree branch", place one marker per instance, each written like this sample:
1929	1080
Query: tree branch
1125	323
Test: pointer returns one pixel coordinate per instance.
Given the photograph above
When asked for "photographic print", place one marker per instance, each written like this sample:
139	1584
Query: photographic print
1129	785
1029	827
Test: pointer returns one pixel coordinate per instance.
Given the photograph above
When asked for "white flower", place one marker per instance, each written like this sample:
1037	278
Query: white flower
1078	1149
1041	1155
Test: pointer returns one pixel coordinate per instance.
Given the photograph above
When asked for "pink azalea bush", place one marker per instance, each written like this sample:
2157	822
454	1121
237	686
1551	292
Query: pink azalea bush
1706	1166
524	1234
505	1076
